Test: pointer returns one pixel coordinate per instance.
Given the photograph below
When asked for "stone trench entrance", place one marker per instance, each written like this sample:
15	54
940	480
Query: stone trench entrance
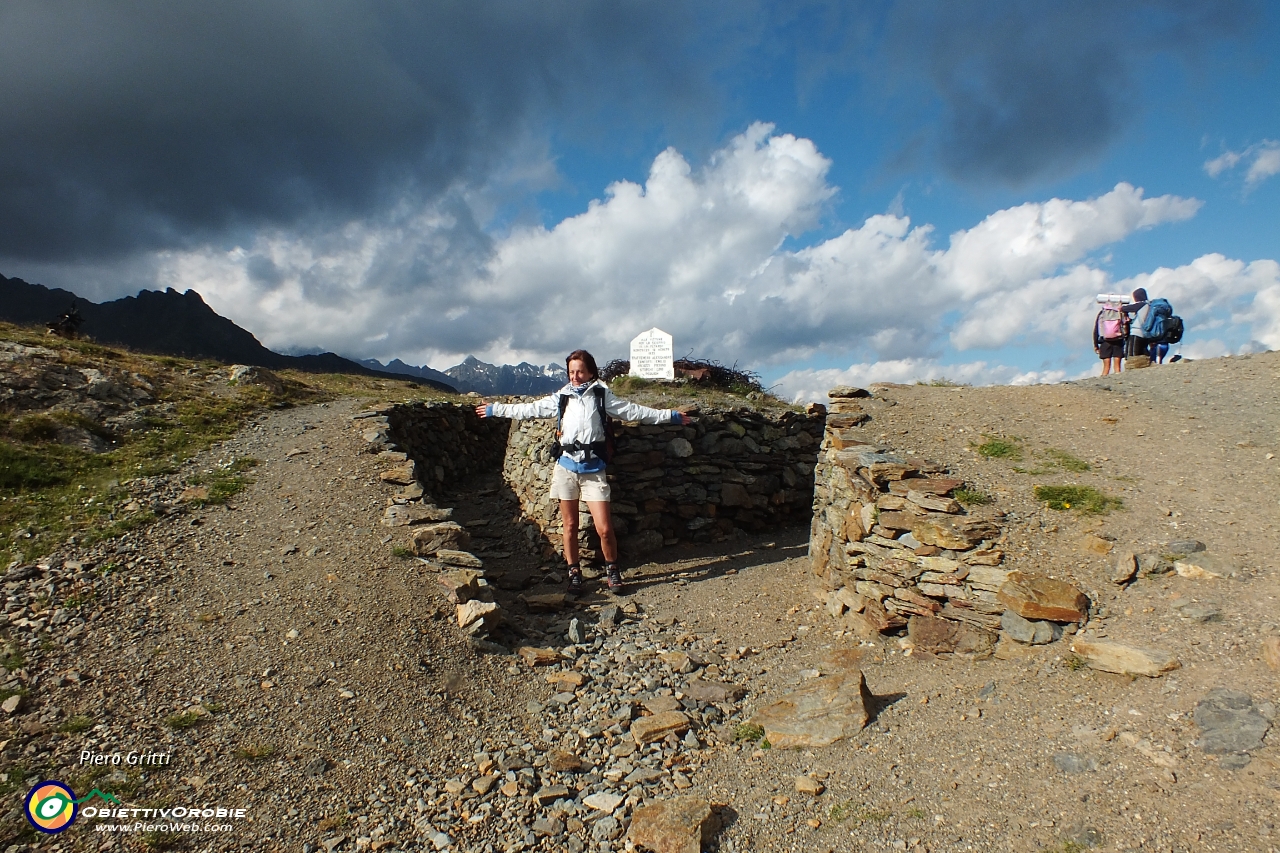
891	549
471	497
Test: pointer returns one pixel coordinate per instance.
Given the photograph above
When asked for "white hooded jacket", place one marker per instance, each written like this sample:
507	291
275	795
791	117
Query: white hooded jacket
581	424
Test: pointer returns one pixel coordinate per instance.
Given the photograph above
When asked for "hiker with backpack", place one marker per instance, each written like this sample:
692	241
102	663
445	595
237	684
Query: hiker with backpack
1154	324
1108	332
582	408
1139	309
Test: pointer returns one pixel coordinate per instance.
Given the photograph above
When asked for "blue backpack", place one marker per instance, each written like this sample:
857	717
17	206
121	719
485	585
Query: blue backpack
1158	310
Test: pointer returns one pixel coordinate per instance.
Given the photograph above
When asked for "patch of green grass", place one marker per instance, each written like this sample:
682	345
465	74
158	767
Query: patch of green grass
333	822
11	692
25	468
224	483
34	428
628	384
402	552
1066	461
971	497
77	724
245	463
999	448
79	599
117	528
17	773
748	731
127	787
1084	499
185	720
858	813
1075	663
256	752
916	813
13	659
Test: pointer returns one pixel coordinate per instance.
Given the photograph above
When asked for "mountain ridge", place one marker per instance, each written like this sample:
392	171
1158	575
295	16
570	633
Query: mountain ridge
522	379
487	380
172	323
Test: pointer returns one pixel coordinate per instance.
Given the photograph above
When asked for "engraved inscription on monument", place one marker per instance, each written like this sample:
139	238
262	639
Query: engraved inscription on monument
651	355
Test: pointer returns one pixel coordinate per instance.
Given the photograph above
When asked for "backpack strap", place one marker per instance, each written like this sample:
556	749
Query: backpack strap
564	404
598	393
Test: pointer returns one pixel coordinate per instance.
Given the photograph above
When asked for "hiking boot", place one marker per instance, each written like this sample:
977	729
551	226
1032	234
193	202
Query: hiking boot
575	580
613	577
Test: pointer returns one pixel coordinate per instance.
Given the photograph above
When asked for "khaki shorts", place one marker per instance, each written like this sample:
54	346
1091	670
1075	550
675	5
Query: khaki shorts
568	486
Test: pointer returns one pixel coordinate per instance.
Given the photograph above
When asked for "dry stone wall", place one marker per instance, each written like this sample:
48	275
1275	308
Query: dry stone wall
446	442
894	550
729	471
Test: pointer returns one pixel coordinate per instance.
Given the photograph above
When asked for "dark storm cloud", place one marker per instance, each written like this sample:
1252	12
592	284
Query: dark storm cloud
1033	89
139	125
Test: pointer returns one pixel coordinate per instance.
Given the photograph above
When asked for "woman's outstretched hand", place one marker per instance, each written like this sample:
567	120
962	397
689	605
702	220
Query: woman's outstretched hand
685	419
482	410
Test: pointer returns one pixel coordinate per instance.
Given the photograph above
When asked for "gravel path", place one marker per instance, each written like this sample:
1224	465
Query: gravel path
290	664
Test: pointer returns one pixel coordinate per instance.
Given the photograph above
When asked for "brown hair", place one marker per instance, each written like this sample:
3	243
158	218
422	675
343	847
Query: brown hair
587	359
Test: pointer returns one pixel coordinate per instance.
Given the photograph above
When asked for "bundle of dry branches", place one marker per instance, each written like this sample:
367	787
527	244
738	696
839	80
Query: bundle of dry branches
705	372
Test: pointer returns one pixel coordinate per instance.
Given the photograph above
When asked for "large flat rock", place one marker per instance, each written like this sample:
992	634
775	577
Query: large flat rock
959	533
447	535
711	691
1125	660
1204	566
829	709
1038	597
1229	722
678	825
649	729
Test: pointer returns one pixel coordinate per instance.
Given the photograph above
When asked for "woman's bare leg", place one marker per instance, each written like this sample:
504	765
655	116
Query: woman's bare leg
569	524
602	517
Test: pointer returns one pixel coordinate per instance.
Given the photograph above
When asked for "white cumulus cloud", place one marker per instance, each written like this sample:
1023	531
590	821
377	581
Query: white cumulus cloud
706	254
804	386
1263	159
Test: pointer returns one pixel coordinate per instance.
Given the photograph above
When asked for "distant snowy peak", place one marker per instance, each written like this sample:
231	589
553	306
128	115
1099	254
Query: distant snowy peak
523	379
398	366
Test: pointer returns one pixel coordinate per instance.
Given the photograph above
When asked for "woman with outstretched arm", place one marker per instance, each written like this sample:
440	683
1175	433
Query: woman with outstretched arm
580	470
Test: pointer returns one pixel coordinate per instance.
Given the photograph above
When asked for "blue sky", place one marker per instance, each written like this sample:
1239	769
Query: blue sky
821	192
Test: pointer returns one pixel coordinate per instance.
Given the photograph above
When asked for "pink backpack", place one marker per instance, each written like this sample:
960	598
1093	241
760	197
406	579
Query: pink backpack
1110	322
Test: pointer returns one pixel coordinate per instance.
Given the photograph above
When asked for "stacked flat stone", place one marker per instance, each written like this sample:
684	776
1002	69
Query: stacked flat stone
890	544
447	441
433	536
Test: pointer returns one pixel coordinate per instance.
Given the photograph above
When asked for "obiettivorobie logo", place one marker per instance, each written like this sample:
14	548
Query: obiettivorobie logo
51	806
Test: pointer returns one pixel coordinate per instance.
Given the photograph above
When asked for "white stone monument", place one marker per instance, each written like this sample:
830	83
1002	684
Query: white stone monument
651	355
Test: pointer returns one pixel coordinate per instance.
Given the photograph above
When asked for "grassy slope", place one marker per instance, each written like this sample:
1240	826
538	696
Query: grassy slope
49	491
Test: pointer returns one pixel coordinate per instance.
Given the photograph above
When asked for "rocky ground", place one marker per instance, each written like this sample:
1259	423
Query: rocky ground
286	659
